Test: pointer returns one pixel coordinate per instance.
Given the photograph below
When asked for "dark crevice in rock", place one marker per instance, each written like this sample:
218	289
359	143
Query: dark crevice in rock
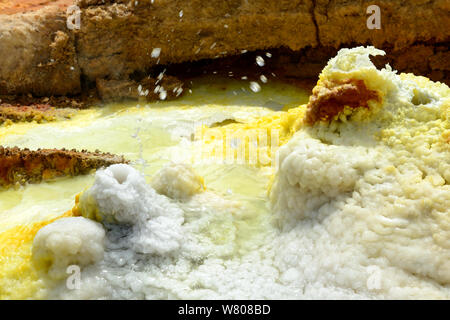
314	19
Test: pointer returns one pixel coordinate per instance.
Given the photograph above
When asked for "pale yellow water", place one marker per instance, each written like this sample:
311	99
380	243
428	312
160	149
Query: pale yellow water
150	135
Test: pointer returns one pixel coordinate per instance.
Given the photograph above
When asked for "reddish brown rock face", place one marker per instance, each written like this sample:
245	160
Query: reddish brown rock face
330	98
19	6
116	39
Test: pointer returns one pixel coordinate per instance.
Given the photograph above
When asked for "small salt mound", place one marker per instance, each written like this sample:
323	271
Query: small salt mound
68	241
121	195
151	240
312	173
177	181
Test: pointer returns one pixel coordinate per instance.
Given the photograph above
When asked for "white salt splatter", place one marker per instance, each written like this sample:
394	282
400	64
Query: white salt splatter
260	61
156	52
255	87
162	94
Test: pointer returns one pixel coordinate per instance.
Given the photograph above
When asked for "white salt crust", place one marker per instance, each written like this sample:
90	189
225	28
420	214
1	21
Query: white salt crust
360	210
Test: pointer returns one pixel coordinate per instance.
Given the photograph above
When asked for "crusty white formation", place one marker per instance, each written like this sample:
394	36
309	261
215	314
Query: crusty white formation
380	181
121	196
177	181
360	209
68	241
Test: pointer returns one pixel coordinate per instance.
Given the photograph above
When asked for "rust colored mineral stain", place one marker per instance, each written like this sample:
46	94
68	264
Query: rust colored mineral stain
23	165
29	113
330	98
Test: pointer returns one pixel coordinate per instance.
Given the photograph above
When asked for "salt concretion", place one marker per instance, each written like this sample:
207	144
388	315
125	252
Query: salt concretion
177	181
377	177
151	241
360	206
68	241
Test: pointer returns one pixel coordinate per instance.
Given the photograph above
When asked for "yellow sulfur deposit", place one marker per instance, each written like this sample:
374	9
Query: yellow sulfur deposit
18	276
254	142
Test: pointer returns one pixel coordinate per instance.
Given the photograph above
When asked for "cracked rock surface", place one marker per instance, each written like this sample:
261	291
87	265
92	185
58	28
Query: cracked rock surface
119	38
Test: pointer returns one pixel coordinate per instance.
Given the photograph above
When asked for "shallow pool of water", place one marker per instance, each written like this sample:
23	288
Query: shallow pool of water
149	135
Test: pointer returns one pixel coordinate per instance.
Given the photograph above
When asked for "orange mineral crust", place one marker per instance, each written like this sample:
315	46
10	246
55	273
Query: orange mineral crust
331	97
19	6
18	166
